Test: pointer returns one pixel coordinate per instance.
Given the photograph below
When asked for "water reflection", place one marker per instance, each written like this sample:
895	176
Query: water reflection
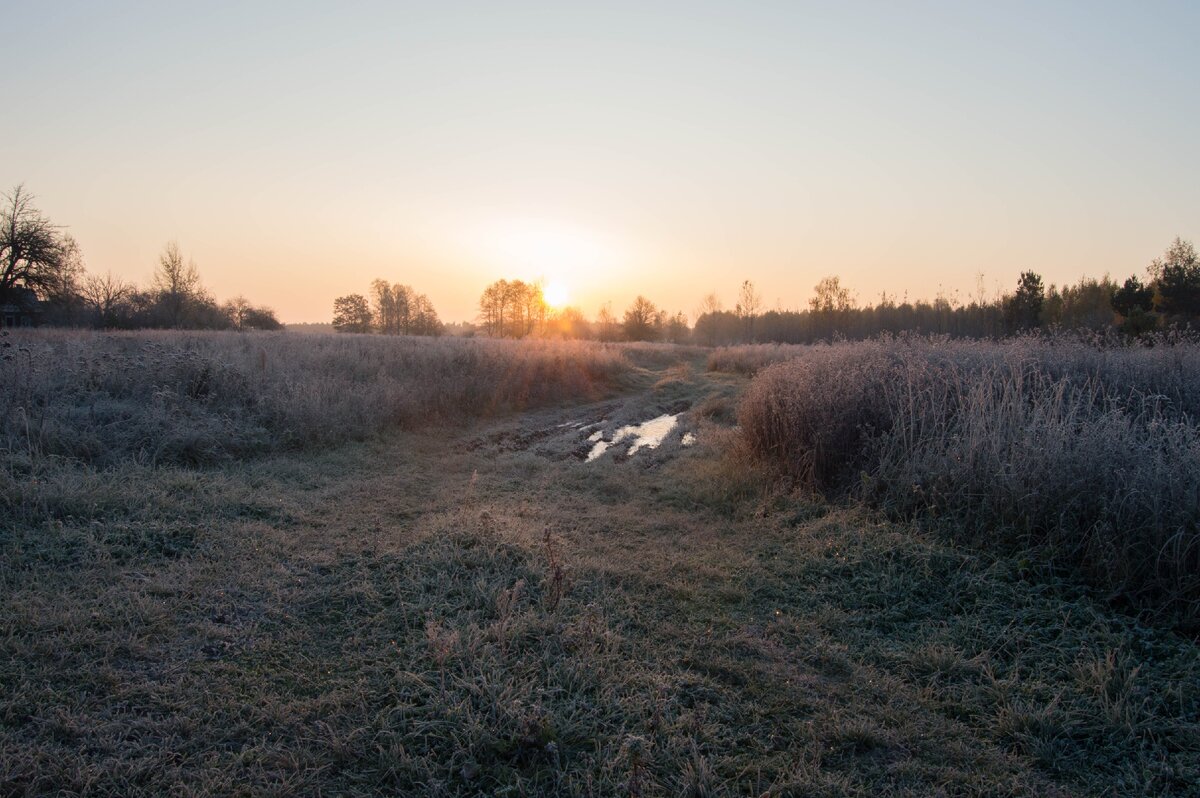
647	435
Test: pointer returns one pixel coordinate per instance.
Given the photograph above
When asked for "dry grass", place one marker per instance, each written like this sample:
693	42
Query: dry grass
390	617
749	359
195	398
451	612
1076	454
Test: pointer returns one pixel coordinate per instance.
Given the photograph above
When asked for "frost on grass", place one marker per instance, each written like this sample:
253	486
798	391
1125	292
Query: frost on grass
647	435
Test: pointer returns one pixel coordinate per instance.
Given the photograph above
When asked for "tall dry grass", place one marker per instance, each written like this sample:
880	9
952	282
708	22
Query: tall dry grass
195	397
749	359
1087	455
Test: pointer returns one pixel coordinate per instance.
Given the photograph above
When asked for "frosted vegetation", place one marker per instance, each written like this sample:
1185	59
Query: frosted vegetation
196	398
458	604
1082	454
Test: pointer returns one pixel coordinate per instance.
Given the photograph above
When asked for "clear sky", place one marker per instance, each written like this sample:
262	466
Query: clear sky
297	150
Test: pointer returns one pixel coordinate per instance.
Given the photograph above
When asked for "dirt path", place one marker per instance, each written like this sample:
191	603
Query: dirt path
485	612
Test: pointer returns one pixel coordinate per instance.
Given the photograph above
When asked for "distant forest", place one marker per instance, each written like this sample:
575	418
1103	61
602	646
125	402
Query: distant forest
43	282
1168	297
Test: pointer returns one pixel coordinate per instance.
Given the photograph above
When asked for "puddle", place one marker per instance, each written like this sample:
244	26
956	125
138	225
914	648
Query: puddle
600	448
647	435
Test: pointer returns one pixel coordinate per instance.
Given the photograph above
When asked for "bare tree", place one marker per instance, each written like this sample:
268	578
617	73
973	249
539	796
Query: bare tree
396	311
492	306
173	276
749	303
711	303
643	321
512	308
749	300
606	320
707	312
423	319
176	283
238	310
33	252
105	294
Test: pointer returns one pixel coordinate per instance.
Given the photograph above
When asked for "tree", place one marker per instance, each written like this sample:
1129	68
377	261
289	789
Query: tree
1132	296
492	306
177	285
1177	280
1023	309
1135	302
244	316
711	303
105	294
34	254
677	329
642	321
749	303
260	318
423	319
63	303
512	308
237	309
830	297
352	314
394	307
706	318
606	320
1086	305
531	303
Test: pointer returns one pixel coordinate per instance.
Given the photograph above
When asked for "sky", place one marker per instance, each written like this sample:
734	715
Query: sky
296	151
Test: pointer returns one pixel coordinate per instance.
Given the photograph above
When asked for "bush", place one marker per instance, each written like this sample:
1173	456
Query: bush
1086	454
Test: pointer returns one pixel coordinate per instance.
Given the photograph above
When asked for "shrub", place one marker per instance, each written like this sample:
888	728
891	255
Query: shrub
1081	451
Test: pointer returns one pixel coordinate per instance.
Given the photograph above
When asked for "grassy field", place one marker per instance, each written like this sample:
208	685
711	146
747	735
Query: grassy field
194	398
458	604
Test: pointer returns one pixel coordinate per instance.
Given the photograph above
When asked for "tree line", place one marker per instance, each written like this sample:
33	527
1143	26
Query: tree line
1167	297
43	281
392	309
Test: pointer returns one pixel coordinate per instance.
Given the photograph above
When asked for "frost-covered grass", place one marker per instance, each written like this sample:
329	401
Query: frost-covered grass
1084	455
437	611
195	398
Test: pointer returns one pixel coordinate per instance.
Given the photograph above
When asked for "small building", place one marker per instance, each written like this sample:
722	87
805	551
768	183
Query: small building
22	309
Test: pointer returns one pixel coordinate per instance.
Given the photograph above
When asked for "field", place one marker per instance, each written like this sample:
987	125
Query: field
276	564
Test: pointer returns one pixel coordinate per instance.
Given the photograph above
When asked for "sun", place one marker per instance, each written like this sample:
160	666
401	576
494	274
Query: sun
559	253
556	294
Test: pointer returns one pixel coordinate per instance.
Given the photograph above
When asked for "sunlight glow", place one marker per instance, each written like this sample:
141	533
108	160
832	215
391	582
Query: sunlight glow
555	250
556	294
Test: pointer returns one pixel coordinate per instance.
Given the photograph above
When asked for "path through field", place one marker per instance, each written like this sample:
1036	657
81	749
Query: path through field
484	612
